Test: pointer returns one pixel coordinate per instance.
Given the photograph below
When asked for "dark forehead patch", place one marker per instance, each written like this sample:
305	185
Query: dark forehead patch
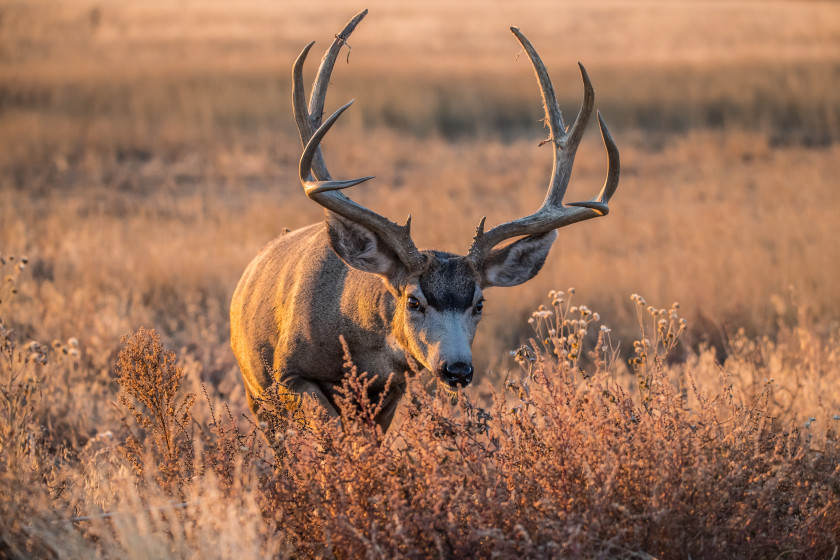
449	282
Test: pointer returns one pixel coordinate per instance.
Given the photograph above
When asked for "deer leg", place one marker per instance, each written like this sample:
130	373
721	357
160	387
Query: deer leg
299	387
389	407
289	394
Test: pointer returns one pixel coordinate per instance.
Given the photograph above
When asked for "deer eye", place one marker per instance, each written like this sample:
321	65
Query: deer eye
414	303
478	307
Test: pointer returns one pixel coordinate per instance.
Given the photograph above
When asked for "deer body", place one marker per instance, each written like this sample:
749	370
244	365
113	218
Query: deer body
358	275
291	309
297	294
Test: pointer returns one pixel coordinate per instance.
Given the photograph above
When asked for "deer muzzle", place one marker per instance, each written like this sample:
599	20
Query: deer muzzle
455	374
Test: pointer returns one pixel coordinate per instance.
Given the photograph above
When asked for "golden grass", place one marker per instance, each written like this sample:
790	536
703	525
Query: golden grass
147	152
670	461
722	223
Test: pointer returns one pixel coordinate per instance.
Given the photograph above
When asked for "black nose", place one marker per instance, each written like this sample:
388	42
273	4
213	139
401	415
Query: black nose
458	373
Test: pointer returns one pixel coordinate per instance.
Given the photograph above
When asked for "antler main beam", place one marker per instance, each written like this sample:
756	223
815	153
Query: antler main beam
552	214
314	176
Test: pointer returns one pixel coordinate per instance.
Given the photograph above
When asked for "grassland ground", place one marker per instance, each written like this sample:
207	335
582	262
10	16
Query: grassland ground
147	152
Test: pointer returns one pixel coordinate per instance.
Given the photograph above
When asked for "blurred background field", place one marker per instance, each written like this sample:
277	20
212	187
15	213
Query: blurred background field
148	152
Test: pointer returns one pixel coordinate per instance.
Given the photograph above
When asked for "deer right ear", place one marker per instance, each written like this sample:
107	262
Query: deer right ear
518	262
361	248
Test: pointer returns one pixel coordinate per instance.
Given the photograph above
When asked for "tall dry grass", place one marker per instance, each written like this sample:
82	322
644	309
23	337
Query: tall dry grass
147	153
666	461
724	223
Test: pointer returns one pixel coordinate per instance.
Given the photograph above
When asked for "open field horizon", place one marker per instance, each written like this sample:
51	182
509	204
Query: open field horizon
167	79
148	152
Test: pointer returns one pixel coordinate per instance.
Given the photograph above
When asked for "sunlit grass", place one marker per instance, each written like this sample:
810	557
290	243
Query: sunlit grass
667	458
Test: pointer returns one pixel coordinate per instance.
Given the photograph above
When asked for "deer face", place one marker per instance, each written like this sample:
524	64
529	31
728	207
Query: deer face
436	317
438	307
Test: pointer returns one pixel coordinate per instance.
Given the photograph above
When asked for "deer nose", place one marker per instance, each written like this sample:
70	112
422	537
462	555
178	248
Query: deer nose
458	373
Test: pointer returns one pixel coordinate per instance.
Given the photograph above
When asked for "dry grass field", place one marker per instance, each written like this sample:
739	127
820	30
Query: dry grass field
148	151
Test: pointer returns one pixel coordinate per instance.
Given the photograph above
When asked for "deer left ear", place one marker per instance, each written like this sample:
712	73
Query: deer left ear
518	262
361	248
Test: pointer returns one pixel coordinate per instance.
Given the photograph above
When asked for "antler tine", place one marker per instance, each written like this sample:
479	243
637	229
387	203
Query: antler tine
304	122
553	116
322	188
613	165
314	187
552	214
565	144
308	119
599	203
299	97
322	80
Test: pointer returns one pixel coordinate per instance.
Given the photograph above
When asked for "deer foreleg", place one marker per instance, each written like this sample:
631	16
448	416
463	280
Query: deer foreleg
298	387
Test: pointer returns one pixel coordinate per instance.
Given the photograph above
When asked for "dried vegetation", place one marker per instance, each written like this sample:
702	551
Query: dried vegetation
663	460
147	153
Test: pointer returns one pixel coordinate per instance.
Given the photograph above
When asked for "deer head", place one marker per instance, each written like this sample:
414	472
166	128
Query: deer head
438	296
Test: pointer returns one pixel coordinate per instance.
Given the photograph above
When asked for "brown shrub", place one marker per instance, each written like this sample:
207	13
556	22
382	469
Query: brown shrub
150	378
566	463
575	455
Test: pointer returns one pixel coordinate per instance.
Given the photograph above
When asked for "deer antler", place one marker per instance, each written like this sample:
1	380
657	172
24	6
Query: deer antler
552	214
322	188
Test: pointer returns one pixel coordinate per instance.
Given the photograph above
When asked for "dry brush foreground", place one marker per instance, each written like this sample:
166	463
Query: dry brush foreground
669	461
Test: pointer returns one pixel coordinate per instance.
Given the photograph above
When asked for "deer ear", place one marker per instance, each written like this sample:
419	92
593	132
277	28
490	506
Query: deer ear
361	248
518	262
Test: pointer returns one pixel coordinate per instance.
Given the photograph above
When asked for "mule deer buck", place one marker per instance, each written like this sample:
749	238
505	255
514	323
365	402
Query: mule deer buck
360	276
